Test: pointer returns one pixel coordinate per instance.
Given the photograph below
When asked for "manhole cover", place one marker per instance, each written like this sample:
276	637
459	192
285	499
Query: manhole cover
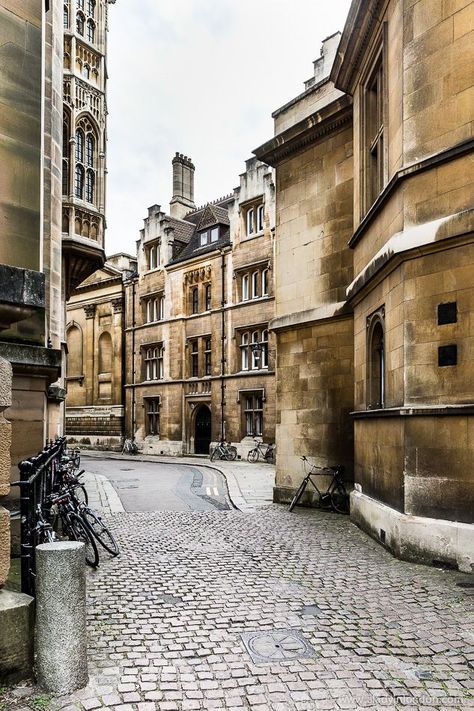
310	610
276	646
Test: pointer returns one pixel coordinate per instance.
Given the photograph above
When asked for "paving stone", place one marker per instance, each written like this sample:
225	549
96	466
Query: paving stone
384	628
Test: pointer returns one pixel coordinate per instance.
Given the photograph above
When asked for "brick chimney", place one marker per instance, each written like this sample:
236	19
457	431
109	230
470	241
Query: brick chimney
183	186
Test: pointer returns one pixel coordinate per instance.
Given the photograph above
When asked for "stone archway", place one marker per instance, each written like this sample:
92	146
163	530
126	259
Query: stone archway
202	430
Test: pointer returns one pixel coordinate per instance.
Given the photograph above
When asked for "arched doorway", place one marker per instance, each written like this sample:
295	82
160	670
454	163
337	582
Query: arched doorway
202	430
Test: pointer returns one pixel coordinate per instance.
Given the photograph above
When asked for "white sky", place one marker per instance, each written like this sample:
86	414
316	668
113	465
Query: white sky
201	77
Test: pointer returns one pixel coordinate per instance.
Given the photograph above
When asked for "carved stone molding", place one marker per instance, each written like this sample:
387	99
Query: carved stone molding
118	305
89	310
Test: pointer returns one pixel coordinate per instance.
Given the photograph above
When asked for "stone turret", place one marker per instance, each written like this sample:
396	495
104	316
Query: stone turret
183	186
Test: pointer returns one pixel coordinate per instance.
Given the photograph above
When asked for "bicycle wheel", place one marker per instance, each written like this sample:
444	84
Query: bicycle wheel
214	454
299	494
252	456
231	453
80	492
340	499
78	531
100	531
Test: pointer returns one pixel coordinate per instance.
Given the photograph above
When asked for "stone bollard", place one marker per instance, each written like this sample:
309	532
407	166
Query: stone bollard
61	641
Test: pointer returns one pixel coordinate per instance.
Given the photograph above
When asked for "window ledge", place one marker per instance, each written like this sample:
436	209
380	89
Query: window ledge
247	238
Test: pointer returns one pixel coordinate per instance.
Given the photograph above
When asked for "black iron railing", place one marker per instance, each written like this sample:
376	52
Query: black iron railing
38	476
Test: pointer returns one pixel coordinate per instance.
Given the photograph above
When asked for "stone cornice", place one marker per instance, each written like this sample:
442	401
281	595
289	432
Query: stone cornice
301	319
415	411
302	134
361	24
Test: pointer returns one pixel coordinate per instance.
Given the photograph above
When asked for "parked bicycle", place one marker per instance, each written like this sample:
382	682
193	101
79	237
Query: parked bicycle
129	447
266	451
224	450
334	498
66	518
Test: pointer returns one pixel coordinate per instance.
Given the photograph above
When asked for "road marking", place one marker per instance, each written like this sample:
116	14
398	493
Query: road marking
216	491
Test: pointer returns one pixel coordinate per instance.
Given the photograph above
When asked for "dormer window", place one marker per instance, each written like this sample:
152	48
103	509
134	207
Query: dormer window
153	256
209	236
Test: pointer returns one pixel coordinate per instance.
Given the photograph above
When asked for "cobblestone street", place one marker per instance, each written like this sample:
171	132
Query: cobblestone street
359	629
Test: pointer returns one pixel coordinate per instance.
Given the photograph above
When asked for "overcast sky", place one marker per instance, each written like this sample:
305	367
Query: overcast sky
201	77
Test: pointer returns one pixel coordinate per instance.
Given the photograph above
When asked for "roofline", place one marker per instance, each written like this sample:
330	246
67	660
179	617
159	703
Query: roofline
361	21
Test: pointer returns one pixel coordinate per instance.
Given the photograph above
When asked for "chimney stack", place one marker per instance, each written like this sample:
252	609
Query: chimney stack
183	186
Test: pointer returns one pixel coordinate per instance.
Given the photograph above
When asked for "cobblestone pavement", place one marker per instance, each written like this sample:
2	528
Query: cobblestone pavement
170	619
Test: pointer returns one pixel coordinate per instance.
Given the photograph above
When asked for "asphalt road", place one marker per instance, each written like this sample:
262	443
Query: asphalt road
153	486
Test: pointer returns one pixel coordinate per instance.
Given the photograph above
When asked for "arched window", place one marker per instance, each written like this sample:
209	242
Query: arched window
66	15
260	218
245	287
264	346
91	8
74	352
85	154
80	4
90	31
244	351
90	178
105	353
195	300
80	21
86	71
265	282
79	182
79	145
255	285
255	353
376	361
90	143
250	221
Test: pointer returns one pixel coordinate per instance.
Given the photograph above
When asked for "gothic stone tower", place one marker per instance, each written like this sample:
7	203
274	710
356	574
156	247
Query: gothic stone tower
84	138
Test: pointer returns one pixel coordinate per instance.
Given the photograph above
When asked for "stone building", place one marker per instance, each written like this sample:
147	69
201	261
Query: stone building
95	367
31	307
200	362
42	255
398	231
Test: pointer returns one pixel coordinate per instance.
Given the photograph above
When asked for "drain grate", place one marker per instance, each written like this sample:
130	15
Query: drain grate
276	646
466	584
170	599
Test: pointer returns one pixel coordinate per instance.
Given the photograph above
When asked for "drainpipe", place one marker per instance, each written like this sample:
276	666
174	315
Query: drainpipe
133	362
222	344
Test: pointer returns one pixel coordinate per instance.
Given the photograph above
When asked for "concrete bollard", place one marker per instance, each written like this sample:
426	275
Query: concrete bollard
61	638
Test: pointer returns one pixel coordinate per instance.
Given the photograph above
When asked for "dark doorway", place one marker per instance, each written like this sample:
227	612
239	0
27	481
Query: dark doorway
202	430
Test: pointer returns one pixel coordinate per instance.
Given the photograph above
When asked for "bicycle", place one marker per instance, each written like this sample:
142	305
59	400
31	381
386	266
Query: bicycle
224	450
267	454
334	498
129	447
95	523
72	525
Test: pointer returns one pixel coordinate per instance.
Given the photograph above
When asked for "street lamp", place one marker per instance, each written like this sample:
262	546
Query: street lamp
257	351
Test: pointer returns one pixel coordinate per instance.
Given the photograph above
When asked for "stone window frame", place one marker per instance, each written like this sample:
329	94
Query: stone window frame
208	355
252	412
85	157
153	307
376	360
252	282
253	217
194	358
374	141
153	255
247	359
153	362
152	407
208	296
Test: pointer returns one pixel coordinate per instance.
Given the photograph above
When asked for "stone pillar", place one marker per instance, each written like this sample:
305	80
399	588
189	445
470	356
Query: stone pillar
5	463
117	335
16	610
89	310
61	637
